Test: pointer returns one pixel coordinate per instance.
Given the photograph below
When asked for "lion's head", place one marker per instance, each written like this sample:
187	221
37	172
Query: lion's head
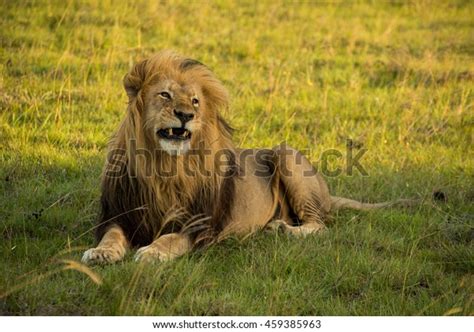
177	100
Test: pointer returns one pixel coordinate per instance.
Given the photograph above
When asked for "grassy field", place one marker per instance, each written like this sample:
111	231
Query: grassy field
395	78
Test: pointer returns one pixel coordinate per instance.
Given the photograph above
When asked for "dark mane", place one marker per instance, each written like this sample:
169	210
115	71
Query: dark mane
189	63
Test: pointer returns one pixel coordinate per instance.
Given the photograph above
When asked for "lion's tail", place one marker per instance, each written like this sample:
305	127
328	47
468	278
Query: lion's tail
346	203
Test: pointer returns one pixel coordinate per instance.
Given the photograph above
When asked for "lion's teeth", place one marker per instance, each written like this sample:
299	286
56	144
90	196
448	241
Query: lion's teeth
186	133
170	131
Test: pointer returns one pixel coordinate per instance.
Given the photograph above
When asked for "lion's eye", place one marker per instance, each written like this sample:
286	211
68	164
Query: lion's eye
195	102
164	95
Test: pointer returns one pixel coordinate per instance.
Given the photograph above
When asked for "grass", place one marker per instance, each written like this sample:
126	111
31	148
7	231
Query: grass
397	78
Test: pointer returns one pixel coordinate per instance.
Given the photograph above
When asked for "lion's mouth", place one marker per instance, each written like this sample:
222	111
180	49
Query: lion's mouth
180	134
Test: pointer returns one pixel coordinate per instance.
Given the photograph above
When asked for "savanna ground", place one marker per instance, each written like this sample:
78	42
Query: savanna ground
397	78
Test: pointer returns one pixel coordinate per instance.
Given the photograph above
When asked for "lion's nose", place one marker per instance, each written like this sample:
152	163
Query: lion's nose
184	117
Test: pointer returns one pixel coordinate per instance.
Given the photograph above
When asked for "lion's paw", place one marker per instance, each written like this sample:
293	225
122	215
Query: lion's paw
277	225
152	254
102	255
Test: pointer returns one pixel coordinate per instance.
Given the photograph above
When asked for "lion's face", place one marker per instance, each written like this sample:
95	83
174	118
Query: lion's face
173	115
174	105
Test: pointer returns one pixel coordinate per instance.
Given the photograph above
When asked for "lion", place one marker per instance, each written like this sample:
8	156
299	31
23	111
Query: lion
174	180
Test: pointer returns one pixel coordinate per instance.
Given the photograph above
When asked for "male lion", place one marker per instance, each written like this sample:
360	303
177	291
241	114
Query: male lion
174	180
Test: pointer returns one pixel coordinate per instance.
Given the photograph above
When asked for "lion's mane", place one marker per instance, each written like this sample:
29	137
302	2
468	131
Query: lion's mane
137	192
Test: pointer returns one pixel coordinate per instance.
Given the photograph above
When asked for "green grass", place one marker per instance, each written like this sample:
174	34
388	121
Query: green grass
396	78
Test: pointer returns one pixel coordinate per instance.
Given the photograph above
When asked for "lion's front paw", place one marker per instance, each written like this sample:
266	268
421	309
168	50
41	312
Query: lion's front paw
104	255
151	253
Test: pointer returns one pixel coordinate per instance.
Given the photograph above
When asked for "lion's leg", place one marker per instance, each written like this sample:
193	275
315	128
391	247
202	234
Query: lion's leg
165	248
305	190
111	248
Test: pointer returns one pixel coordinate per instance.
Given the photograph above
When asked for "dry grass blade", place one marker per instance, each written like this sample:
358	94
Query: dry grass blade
74	265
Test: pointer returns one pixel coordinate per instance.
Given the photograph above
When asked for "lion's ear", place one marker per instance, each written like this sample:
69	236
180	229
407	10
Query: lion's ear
215	93
133	81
